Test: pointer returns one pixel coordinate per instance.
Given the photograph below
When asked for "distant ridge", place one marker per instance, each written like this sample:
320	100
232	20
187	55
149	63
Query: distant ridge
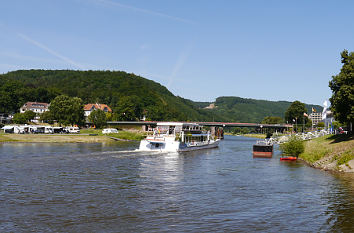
250	110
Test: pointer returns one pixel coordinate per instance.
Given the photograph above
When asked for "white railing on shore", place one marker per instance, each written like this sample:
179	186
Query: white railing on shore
303	136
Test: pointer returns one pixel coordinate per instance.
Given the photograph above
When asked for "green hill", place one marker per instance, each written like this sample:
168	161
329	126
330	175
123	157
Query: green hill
114	87
251	110
108	87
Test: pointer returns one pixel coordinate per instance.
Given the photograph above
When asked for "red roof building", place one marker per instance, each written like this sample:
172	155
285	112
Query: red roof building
35	107
88	108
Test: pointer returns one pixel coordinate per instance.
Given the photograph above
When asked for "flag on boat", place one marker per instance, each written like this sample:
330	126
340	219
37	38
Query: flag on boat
313	110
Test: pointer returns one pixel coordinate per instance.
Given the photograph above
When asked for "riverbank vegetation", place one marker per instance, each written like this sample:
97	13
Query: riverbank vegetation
254	135
3	138
331	152
128	135
342	86
293	147
133	135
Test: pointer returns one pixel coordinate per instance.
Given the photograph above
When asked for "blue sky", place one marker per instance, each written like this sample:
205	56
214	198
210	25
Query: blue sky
199	49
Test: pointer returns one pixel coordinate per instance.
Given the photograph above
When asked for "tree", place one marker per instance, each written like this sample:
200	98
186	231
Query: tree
272	120
129	108
336	124
78	115
109	116
47	117
67	110
308	123
342	86
5	102
98	118
29	115
19	118
295	113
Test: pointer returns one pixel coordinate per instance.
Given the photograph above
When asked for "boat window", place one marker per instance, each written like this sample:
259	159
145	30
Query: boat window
171	129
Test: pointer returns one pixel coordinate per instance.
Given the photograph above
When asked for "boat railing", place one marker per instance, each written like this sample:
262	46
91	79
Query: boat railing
197	143
266	141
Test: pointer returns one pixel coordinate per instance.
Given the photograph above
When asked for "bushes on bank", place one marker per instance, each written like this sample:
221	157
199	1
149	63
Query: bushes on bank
345	157
294	147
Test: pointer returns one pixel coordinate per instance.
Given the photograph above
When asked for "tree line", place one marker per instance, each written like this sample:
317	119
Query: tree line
131	97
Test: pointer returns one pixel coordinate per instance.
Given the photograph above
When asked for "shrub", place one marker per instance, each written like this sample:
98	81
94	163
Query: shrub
294	147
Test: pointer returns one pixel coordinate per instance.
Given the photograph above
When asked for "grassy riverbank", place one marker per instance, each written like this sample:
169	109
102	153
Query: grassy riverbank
253	135
331	152
85	136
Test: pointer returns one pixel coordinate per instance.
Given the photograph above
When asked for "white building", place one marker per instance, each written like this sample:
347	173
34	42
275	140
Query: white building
315	117
35	107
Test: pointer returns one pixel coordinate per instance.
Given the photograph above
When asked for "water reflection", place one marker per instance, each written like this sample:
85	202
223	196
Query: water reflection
341	204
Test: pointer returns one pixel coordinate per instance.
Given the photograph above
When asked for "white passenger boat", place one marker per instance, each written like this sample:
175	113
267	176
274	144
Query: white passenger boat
178	137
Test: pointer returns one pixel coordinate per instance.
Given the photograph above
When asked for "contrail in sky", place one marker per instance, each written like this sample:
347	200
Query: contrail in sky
180	62
54	53
145	11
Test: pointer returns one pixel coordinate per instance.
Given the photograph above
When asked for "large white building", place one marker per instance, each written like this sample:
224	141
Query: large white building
315	117
35	107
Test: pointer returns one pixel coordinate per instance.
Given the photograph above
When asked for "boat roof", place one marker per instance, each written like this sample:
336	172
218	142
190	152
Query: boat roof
176	124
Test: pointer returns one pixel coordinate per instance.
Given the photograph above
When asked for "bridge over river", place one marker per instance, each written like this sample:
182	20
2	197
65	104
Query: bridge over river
152	124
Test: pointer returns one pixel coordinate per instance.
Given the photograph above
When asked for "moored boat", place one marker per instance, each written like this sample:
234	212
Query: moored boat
178	137
263	149
289	158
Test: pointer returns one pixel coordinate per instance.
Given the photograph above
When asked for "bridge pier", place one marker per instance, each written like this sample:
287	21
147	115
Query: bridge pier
216	131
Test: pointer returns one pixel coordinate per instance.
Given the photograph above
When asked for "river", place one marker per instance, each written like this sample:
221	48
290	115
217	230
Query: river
113	188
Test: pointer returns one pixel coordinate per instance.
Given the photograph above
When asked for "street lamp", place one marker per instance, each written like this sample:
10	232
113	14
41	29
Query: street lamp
296	124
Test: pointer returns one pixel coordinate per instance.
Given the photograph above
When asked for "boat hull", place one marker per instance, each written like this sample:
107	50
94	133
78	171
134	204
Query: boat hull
174	146
199	147
262	151
288	158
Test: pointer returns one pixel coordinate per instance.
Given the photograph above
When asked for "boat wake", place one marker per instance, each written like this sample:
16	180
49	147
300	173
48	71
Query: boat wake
132	153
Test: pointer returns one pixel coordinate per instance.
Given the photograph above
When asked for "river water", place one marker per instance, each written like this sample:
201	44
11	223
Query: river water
113	188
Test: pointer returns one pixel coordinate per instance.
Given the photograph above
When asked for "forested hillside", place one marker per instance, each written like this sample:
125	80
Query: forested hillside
128	92
115	88
251	110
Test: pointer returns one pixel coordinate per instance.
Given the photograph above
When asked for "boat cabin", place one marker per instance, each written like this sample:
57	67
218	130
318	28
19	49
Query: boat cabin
178	136
173	128
184	132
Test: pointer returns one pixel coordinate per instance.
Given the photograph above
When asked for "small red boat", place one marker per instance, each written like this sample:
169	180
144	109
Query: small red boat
290	158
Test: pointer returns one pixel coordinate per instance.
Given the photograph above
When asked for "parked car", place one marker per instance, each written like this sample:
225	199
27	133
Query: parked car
72	130
109	130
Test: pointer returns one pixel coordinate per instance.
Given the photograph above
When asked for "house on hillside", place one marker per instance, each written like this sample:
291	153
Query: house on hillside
88	108
35	107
